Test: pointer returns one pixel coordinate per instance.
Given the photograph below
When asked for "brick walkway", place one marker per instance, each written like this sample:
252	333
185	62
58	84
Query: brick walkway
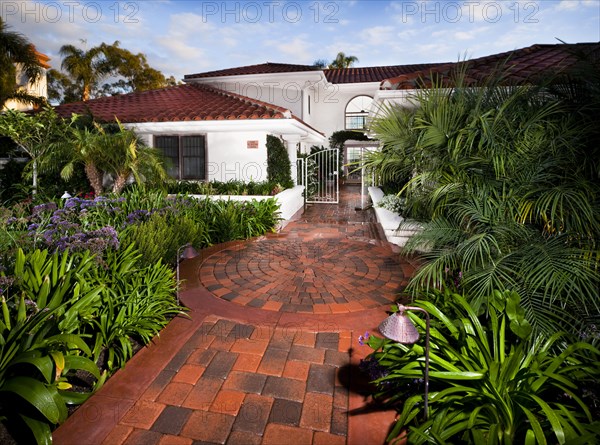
269	352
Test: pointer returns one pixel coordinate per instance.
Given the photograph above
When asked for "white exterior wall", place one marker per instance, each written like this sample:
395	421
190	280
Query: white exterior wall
329	105
286	90
294	91
228	156
288	95
227	153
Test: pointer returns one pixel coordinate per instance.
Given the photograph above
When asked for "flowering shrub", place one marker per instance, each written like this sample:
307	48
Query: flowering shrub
393	203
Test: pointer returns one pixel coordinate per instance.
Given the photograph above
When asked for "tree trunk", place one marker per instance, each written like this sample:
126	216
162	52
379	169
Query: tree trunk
86	93
95	177
120	181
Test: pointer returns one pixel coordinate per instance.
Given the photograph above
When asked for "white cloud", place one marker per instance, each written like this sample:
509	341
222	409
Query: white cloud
378	35
297	49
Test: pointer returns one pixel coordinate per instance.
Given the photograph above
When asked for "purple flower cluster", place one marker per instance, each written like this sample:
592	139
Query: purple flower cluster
81	224
96	241
42	208
138	216
363	338
5	283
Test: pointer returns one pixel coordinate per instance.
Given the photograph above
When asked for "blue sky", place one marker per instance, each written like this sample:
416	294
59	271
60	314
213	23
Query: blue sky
182	37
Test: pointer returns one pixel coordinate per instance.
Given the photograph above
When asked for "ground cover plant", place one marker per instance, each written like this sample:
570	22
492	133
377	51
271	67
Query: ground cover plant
491	380
78	296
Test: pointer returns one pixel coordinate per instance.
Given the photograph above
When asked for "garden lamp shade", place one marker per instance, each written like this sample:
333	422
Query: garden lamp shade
66	195
400	328
185	252
188	252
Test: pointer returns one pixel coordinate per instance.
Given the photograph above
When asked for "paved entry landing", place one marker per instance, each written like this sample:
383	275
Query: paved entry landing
316	276
330	261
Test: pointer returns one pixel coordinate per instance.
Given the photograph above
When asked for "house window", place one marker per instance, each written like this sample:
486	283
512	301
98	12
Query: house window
186	155
357	112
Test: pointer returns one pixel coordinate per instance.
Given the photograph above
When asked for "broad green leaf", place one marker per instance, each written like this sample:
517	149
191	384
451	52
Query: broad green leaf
35	393
40	430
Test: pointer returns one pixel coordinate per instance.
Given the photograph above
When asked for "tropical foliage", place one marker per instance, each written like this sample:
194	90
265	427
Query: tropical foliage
506	182
33	134
58	146
343	61
491	380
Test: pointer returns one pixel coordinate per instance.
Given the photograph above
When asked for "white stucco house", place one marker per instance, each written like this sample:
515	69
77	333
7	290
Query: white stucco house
215	125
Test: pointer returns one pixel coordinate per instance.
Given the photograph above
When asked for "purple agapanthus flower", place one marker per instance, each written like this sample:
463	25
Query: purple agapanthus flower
363	338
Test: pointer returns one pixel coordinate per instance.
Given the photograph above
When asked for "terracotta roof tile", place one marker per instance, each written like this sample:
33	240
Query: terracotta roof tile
178	103
522	65
373	73
263	68
345	75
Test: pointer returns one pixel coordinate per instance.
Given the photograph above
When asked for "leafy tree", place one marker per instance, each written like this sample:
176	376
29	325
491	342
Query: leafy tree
34	134
86	70
15	50
135	72
343	61
320	63
61	88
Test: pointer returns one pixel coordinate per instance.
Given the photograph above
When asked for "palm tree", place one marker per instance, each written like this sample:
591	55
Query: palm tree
343	61
503	182
86	67
81	146
124	156
15	50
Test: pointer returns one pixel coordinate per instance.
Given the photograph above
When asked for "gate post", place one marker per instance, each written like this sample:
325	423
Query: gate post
292	141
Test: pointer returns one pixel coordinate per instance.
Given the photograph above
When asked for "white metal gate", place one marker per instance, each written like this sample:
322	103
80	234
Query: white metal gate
319	173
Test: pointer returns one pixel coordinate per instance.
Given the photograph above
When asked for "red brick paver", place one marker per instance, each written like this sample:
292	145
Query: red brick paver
268	354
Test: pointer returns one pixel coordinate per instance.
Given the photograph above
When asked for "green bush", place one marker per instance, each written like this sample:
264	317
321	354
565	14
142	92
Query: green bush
231	187
278	163
162	234
137	302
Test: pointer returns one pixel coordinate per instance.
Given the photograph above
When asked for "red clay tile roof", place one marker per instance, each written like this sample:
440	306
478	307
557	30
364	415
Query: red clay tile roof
177	103
342	75
373	73
523	65
263	68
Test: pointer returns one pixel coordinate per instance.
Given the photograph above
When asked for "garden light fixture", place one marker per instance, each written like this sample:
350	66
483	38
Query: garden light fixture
400	328
66	195
188	253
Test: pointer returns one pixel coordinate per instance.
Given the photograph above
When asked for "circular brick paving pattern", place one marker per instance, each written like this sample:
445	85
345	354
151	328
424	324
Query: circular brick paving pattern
315	276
